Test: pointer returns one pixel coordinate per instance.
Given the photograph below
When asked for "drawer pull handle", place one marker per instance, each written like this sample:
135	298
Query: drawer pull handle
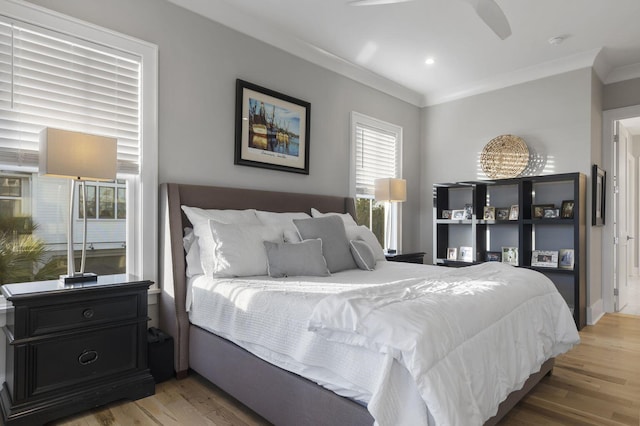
88	357
87	313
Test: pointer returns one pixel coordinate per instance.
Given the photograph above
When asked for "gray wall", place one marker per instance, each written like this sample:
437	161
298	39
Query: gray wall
621	94
199	61
557	116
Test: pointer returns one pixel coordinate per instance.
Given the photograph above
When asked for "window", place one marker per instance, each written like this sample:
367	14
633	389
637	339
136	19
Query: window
107	205
56	71
376	153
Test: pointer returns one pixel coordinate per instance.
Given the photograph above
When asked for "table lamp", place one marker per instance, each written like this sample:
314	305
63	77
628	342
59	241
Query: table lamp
80	157
390	190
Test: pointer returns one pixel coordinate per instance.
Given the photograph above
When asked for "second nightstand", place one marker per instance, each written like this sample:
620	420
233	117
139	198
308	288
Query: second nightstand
417	257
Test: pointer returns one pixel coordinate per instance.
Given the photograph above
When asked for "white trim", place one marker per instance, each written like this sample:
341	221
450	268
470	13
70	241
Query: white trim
142	254
595	312
608	118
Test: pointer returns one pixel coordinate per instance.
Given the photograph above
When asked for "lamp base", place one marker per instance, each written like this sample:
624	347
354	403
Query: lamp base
79	278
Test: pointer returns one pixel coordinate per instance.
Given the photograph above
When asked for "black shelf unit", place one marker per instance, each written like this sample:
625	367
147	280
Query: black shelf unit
526	233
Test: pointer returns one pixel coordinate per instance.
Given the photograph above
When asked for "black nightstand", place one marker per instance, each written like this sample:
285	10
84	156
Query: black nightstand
74	347
417	257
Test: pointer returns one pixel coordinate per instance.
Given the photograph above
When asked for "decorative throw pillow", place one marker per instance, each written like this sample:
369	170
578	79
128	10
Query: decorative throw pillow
363	233
335	245
363	255
199	218
239	248
346	217
284	221
296	259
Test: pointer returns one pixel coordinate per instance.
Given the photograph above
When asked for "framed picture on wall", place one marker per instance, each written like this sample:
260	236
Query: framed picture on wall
272	129
598	195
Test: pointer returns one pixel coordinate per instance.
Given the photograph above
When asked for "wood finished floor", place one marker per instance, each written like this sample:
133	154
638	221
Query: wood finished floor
596	383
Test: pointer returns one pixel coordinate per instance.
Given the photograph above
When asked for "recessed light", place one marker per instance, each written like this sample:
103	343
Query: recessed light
430	61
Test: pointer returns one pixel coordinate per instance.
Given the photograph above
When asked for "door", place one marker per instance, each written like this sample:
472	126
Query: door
620	226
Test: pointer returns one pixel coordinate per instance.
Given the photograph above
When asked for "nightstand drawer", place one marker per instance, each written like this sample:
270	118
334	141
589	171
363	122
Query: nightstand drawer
74	315
65	362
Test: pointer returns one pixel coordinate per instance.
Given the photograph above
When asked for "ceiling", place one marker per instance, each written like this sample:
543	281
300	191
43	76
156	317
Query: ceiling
386	46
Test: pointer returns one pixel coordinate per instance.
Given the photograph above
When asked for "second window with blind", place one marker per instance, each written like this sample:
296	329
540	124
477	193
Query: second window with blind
376	152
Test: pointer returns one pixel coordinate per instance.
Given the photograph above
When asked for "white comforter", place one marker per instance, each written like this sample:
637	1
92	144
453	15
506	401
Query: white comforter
468	337
463	344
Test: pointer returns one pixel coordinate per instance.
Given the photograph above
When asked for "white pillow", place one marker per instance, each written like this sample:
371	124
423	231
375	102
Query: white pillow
346	217
199	218
284	221
363	233
190	242
239	248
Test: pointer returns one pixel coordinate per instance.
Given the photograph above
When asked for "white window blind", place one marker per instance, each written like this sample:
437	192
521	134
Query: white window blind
376	155
48	79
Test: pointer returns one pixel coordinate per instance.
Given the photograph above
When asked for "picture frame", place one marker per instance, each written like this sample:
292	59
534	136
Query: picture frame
458	214
489	213
502	213
493	256
550	213
452	253
466	254
468	211
566	209
510	255
566	259
537	210
598	195
272	129
514	212
446	214
544	258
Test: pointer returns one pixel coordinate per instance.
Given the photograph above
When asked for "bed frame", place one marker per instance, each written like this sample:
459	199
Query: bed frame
281	397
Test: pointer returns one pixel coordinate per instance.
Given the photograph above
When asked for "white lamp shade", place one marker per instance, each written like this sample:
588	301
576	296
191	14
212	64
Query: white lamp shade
76	155
391	189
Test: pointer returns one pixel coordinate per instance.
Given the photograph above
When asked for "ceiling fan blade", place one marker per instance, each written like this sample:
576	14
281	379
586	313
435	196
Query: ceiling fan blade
374	2
493	16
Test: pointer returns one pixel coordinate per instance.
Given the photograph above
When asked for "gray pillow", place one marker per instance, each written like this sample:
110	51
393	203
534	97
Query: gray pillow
335	245
363	255
295	259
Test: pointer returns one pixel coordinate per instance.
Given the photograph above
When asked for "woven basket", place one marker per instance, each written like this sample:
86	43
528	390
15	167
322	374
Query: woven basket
504	156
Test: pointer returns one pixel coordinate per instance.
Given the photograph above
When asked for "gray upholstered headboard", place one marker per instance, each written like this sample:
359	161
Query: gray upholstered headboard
173	316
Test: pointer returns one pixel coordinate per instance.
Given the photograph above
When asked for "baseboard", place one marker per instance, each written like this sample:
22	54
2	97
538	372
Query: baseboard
595	312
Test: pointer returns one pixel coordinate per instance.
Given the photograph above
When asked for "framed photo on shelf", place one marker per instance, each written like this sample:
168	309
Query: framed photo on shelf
452	253
514	212
502	213
468	211
493	256
598	192
551	213
466	254
544	258
566	210
489	213
446	214
537	210
510	255
458	214
272	129
566	259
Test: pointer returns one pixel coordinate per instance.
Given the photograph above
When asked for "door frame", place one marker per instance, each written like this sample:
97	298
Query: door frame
608	247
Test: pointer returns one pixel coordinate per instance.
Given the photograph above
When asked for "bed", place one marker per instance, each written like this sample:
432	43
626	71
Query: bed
278	395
